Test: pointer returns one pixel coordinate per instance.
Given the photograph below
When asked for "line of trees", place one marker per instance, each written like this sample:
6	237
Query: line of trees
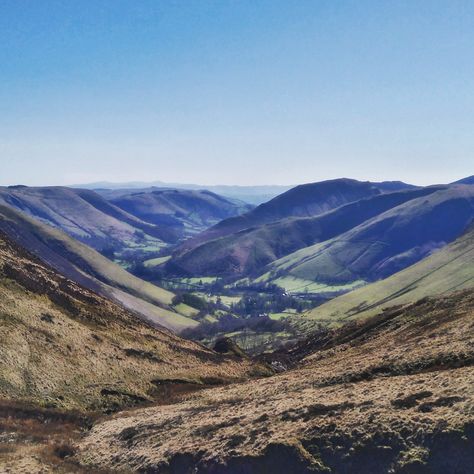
229	323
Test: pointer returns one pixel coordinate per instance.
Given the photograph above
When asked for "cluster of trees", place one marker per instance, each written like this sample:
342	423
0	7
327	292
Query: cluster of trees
256	343
140	270
109	252
249	306
114	247
254	335
229	323
195	302
259	304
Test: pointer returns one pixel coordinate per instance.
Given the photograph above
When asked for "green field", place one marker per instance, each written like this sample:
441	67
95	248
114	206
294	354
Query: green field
298	285
445	271
199	280
282	315
155	262
210	319
227	300
186	310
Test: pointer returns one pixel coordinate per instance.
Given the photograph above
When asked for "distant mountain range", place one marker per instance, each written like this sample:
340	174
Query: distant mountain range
186	212
386	243
305	200
85	215
330	237
339	234
250	194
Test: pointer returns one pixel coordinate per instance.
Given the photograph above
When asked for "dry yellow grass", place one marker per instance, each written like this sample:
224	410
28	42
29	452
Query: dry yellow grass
88	267
62	345
395	394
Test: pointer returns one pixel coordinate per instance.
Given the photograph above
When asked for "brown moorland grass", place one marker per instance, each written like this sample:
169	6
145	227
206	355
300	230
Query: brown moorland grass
35	439
395	394
63	346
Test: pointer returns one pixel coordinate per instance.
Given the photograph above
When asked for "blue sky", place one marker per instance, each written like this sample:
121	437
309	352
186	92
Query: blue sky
235	92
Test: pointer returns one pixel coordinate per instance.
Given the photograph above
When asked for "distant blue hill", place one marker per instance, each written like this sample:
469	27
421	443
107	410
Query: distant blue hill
468	180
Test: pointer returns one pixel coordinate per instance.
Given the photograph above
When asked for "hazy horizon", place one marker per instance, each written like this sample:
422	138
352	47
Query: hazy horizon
157	182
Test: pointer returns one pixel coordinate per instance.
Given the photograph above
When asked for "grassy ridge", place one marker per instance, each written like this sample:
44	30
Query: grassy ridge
246	251
302	201
387	243
86	266
62	345
447	270
85	215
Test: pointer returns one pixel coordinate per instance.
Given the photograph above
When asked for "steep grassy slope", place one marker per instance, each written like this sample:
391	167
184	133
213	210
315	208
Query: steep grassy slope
86	216
393	395
387	243
186	212
248	251
302	201
81	263
62	345
447	270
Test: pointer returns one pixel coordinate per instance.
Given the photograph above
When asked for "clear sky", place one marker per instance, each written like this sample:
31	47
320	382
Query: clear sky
236	92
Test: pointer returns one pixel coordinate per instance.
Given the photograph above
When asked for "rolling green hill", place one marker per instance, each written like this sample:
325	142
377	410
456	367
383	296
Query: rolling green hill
385	244
187	212
86	216
305	200
445	271
84	265
245	252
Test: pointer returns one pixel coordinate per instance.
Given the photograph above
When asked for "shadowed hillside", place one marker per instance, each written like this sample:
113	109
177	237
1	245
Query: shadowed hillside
447	270
86	216
247	251
468	180
186	212
301	201
387	243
